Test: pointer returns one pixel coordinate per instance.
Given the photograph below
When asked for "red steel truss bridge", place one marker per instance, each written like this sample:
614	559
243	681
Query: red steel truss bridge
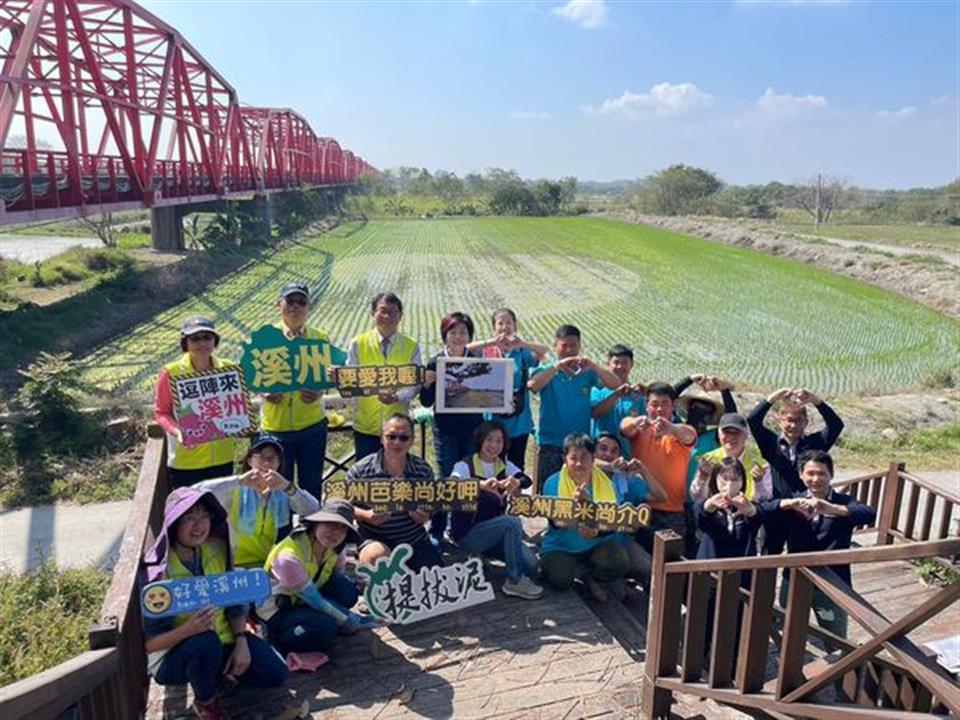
104	107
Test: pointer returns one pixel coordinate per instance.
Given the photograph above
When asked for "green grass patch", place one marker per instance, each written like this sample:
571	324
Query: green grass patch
71	266
46	615
945	237
683	303
921	449
133	240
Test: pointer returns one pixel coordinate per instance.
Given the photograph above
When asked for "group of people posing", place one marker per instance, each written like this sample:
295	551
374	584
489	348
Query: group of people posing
600	436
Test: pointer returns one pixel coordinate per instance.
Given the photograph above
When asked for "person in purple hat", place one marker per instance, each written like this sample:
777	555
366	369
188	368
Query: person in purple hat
198	647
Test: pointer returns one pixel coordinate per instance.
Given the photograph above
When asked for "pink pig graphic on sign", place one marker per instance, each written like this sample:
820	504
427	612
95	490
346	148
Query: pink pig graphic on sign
196	431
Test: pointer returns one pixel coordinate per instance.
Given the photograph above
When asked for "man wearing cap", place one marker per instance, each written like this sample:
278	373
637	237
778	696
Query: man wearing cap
310	600
297	418
203	460
734	433
384	345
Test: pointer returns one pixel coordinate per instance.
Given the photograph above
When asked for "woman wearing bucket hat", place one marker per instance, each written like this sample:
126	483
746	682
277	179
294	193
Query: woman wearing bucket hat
198	647
260	502
310	599
192	462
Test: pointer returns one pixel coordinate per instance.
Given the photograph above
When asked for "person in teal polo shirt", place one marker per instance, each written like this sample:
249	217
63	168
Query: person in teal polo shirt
564	386
609	407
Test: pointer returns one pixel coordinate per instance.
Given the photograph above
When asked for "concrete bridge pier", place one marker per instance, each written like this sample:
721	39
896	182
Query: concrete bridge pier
166	228
261	207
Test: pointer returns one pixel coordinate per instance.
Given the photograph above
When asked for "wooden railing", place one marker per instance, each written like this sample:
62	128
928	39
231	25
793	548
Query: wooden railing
731	662
109	681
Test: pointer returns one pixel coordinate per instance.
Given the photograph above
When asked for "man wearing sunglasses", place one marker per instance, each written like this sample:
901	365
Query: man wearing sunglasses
297	418
381	532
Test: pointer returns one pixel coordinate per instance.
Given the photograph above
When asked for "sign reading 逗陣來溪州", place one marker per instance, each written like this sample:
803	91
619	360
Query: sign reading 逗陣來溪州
400	495
165	598
396	594
274	363
211	405
354	380
607	517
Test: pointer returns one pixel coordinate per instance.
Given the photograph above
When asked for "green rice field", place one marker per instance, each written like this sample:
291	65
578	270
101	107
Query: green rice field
684	304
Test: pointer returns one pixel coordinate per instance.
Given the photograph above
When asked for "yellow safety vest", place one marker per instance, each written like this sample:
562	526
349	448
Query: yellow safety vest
208	454
301	547
751	459
213	560
250	551
371	413
292	413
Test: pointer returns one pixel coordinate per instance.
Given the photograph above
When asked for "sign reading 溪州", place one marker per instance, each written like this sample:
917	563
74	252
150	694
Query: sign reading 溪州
354	380
606	517
399	495
165	598
274	363
397	595
211	405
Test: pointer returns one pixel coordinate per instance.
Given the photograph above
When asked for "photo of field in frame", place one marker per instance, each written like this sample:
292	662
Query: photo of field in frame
474	385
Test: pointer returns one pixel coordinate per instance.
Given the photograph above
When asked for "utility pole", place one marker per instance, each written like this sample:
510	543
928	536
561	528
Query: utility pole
816	215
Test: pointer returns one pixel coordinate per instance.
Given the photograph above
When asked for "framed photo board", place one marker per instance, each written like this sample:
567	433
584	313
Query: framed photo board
474	385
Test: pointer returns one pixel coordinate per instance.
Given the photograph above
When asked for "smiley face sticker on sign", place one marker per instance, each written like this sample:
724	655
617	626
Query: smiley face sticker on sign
157	599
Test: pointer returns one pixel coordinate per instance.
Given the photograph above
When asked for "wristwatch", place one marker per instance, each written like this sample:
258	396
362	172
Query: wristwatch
291	490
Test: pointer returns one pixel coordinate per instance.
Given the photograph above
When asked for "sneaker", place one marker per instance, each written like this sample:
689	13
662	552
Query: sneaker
210	710
523	588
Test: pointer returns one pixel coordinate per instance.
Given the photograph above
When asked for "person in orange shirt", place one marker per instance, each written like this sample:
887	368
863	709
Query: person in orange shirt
664	447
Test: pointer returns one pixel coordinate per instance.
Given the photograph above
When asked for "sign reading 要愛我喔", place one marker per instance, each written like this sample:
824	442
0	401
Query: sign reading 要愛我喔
274	363
354	380
397	594
165	598
607	517
400	495
211	405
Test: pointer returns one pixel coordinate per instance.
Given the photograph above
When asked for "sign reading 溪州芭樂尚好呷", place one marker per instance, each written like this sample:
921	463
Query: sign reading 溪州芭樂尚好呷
274	363
401	495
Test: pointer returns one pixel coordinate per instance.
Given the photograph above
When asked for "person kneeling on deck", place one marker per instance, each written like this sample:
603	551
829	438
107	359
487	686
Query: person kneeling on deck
488	531
822	519
261	502
569	552
635	485
311	601
382	532
198	648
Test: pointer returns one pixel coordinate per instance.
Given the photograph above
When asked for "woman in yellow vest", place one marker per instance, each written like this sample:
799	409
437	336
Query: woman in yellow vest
311	600
569	552
260	502
383	346
198	648
205	459
297	418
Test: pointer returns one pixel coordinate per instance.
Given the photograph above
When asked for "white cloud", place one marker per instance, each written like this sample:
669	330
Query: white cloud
784	106
901	113
662	99
590	14
529	114
941	101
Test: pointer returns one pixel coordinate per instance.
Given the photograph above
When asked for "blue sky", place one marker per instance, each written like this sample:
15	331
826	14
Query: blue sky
754	91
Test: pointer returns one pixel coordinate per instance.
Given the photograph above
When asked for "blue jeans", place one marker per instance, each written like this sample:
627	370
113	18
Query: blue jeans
305	449
300	628
200	659
364	444
450	449
502	538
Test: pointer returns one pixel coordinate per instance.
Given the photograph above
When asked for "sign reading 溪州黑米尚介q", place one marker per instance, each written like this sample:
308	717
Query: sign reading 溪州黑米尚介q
166	598
606	517
211	405
400	495
274	363
396	594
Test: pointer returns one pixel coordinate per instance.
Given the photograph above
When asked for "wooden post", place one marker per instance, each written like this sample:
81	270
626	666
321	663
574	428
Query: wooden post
662	636
890	505
816	215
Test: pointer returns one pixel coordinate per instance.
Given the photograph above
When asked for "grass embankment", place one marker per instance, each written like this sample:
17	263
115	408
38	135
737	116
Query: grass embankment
46	615
852	226
935	448
683	303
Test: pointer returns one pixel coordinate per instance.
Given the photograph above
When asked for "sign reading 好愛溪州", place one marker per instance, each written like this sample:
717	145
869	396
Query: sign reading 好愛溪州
606	517
211	405
274	363
165	598
400	495
396	594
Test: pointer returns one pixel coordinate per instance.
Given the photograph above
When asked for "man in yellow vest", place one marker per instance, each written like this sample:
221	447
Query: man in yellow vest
297	418
383	346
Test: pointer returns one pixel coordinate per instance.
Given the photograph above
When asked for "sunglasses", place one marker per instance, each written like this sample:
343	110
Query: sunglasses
297	301
398	438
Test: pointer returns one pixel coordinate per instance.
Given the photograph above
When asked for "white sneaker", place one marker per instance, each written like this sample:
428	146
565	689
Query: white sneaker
523	588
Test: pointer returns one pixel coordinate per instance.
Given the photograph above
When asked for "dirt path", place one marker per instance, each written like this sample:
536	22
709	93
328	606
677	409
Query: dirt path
933	283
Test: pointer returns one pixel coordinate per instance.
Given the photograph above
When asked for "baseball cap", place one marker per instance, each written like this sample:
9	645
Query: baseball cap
198	324
294	288
732	421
